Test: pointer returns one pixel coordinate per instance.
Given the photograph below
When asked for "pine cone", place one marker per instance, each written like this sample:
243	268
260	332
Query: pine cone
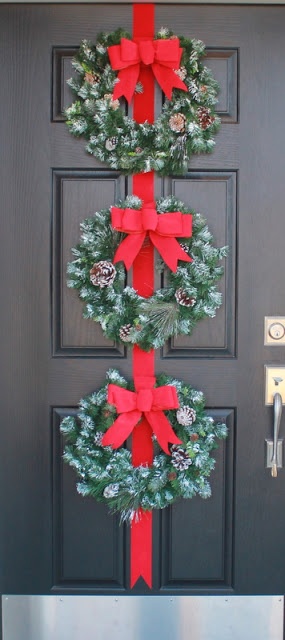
194	437
184	246
177	122
125	333
181	73
92	78
183	298
98	438
102	274
111	143
114	104
180	459
139	88
111	491
205	118
172	476
186	416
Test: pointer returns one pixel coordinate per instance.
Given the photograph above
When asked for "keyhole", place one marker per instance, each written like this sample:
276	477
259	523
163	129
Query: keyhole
276	331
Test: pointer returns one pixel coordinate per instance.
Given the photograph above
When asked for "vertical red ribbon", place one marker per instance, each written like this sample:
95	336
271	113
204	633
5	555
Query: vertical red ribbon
143	282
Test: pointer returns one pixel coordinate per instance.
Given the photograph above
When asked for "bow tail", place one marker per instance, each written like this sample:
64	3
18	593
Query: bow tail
141	547
167	79
127	82
129	249
170	250
162	429
121	429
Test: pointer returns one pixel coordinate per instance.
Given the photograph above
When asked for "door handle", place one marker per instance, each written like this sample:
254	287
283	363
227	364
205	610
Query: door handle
277	412
274	396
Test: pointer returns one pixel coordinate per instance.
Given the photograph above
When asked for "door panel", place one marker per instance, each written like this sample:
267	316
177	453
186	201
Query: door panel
89	545
202	558
94	190
214	195
52	538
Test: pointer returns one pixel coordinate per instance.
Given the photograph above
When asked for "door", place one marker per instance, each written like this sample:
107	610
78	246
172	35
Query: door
52	539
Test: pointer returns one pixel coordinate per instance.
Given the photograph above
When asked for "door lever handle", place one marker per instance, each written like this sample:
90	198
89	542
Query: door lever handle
277	410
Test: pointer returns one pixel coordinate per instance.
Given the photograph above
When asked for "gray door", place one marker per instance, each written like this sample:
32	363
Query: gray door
52	539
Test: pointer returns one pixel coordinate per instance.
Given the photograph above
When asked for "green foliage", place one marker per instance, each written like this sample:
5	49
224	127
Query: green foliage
115	138
153	320
186	126
108	475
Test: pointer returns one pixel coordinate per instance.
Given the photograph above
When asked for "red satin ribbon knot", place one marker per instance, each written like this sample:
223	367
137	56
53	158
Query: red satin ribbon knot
162	55
162	230
147	401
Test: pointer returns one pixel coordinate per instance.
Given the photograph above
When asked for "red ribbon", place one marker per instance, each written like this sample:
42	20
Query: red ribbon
163	56
143	282
160	228
132	406
141	547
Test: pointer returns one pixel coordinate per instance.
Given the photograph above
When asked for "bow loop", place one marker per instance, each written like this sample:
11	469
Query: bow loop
129	220
163	396
124	54
168	52
121	398
173	224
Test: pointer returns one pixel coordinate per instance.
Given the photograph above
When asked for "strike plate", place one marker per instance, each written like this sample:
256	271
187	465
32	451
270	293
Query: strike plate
274	383
269	454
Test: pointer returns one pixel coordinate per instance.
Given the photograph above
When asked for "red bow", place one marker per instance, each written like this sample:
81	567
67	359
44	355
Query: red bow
132	406
160	228
162	55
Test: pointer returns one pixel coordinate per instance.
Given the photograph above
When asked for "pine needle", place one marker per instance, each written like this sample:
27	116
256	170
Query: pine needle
163	317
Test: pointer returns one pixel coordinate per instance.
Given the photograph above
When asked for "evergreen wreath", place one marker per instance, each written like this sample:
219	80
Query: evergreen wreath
108	475
185	126
188	295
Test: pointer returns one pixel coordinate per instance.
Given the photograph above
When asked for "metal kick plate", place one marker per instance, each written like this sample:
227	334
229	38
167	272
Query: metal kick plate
274	383
274	330
142	617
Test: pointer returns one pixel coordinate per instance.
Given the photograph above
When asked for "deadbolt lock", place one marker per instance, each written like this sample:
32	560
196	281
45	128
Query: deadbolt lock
274	330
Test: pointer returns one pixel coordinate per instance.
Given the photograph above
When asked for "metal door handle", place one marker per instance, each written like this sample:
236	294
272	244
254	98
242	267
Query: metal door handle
277	409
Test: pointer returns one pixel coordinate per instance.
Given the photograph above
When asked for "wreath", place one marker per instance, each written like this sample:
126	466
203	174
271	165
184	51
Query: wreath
188	295
185	126
109	476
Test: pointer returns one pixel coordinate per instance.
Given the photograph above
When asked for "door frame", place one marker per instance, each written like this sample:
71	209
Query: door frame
275	601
